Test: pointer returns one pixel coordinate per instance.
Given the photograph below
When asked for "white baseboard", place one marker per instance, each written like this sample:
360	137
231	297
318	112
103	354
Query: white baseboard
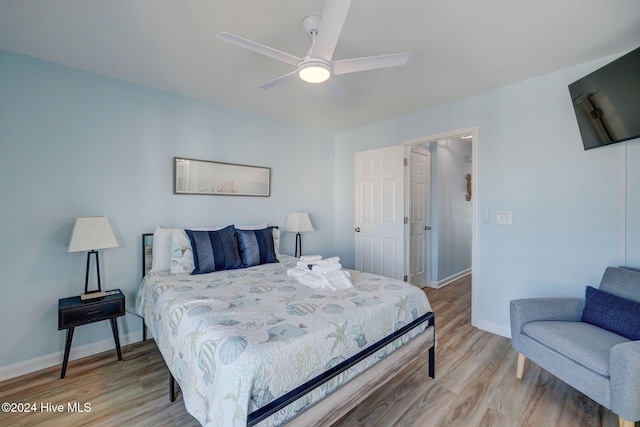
53	359
494	328
439	284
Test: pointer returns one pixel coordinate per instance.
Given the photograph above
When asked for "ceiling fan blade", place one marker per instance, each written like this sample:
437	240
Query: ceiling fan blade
333	16
259	48
370	63
279	80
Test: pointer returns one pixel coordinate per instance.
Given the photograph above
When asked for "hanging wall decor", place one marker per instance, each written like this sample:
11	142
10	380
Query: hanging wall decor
192	176
468	178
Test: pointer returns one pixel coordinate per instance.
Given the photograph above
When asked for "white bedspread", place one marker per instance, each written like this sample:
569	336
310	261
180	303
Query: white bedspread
236	339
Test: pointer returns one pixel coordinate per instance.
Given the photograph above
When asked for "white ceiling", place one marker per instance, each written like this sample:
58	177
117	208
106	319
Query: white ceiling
460	48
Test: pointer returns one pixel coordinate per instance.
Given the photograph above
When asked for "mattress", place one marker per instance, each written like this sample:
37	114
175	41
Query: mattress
235	340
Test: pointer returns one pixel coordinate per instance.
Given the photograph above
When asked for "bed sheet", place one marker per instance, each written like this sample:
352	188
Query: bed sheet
235	340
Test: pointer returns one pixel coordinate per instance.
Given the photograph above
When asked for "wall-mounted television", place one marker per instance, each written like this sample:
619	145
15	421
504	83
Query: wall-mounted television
607	102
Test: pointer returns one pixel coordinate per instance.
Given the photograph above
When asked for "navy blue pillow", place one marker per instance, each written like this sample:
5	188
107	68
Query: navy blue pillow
214	250
612	313
256	246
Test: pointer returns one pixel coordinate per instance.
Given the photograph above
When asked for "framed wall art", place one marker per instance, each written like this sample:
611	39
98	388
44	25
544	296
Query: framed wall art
191	176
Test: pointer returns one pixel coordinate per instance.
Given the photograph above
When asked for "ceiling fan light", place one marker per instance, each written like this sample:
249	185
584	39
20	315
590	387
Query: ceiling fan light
315	72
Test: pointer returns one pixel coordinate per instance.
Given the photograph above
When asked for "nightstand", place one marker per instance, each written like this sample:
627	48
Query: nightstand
74	312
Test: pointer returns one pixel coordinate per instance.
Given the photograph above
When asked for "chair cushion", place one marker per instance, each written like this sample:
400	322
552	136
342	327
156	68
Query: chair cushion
612	313
582	342
623	282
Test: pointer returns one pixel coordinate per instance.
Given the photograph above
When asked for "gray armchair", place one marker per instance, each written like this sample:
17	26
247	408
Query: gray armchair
602	364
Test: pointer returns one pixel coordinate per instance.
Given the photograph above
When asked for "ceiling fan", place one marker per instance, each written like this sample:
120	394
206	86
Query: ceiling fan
317	66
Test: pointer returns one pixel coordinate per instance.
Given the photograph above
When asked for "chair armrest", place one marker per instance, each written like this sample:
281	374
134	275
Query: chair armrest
625	380
523	311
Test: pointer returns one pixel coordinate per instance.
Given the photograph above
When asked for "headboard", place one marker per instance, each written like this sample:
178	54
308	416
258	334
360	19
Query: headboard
147	252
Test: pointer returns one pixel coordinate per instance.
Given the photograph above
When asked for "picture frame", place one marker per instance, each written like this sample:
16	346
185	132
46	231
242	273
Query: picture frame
193	176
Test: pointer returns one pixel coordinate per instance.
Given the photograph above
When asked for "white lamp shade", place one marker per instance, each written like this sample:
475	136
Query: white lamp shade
90	233
298	222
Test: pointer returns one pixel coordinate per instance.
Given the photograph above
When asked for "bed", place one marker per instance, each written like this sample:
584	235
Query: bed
252	345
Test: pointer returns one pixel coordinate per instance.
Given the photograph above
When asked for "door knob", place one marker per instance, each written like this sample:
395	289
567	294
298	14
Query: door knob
426	227
357	229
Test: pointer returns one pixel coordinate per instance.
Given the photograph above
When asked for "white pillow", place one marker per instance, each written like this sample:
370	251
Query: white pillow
181	253
260	226
161	249
276	240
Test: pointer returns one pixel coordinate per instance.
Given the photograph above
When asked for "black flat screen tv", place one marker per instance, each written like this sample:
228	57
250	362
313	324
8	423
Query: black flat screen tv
607	102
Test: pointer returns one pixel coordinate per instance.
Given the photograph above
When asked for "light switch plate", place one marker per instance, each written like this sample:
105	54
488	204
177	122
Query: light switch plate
503	218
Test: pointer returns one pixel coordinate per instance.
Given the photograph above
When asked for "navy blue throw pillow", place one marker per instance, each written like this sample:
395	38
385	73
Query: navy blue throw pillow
613	313
214	250
256	246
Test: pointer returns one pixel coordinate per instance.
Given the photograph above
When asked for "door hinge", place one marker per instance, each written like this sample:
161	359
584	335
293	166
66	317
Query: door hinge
406	279
406	220
406	162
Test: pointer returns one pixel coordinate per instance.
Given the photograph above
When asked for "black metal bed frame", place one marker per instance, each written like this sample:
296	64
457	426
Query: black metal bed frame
277	404
288	398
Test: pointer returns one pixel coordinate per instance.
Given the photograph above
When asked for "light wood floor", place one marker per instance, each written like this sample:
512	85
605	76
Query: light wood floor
475	385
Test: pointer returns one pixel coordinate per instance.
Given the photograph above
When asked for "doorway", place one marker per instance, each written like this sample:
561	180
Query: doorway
383	206
438	222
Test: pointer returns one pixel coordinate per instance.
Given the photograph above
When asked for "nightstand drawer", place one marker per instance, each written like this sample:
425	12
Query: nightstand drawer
75	313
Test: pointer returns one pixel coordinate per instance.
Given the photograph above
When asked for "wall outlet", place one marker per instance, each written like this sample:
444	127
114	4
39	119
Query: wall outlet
503	218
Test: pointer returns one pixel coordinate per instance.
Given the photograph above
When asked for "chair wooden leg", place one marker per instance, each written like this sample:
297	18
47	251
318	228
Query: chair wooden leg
625	423
520	366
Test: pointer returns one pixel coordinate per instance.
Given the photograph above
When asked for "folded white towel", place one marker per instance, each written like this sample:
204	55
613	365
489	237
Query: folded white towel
306	264
339	280
315	272
297	272
326	269
314	280
328	261
336	280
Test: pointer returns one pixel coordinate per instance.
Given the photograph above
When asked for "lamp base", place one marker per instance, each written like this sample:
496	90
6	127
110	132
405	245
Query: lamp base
92	295
86	277
298	244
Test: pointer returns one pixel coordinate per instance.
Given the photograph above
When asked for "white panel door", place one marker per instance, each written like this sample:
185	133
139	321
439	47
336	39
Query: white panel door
419	187
379	216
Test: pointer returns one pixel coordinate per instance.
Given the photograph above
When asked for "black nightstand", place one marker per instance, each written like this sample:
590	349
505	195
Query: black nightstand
74	312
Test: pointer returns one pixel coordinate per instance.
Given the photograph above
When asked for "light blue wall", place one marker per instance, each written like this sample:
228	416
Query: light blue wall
568	204
75	144
451	213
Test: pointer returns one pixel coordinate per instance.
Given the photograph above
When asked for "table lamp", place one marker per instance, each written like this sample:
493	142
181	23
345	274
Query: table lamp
90	234
298	222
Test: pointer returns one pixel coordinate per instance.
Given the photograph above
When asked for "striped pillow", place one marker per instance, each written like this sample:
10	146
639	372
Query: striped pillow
214	250
256	247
